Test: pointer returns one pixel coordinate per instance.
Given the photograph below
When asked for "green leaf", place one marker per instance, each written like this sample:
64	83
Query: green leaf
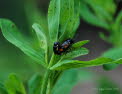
80	43
35	84
99	10
102	36
2	89
66	64
110	66
104	5
76	53
73	25
53	19
41	36
14	85
62	32
107	86
114	53
118	21
68	22
90	17
119	18
69	79
12	34
67	9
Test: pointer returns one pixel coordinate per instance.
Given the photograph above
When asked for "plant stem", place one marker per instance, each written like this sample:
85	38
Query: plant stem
51	61
48	87
45	82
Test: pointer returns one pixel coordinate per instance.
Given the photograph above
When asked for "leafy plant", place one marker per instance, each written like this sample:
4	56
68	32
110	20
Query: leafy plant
114	53
13	85
99	13
60	28
94	11
69	79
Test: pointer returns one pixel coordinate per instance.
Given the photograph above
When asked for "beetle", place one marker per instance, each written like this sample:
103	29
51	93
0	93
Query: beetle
62	48
67	44
57	48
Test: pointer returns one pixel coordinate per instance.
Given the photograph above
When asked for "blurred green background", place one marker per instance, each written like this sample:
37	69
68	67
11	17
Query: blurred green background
11	58
97	18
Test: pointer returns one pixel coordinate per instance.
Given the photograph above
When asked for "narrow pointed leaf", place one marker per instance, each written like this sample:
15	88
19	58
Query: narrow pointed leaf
110	66
91	18
73	25
102	36
67	8
14	85
99	10
68	22
35	84
76	53
119	18
41	35
80	43
66	64
53	19
13	35
62	32
114	53
118	21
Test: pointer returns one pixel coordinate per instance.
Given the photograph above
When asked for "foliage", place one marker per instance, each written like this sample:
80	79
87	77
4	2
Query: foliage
13	85
114	53
98	11
106	86
2	89
60	28
13	35
34	84
94	11
69	79
66	64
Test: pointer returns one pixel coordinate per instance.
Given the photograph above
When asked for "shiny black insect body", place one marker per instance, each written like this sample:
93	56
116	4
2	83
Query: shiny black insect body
62	48
57	48
67	44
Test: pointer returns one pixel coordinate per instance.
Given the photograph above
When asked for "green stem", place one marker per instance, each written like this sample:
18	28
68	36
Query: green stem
48	87
45	85
45	82
51	61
